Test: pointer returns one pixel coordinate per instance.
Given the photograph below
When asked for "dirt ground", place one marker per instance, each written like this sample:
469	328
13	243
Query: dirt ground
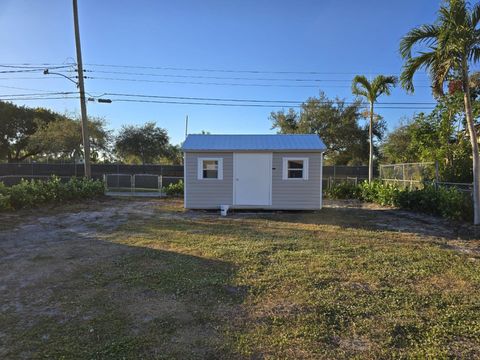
38	248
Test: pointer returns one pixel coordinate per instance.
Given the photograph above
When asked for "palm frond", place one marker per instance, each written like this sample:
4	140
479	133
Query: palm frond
475	15
412	65
424	34
474	55
439	70
382	84
361	86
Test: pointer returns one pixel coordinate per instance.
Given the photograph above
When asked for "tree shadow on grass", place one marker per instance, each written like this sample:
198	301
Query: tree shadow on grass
75	296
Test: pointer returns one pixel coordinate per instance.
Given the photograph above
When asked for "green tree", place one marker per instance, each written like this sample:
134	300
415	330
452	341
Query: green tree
435	137
17	125
398	146
451	45
337	123
174	154
147	143
63	139
371	91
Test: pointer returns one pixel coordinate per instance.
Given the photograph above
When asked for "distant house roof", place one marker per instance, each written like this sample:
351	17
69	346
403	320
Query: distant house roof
288	142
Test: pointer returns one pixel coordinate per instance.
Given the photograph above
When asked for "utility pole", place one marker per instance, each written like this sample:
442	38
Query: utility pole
81	88
186	126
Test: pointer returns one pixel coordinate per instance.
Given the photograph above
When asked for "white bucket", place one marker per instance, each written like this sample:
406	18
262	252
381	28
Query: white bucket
224	209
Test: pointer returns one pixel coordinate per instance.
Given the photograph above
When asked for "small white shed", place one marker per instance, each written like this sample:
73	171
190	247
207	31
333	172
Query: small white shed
281	172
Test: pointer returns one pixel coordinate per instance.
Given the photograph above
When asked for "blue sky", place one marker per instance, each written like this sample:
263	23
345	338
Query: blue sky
334	38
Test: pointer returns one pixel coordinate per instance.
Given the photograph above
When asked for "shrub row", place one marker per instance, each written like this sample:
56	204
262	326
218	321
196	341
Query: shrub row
36	192
174	189
447	202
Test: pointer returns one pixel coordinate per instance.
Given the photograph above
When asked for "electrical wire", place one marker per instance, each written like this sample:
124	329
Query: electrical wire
40	94
215	77
217	83
243	105
170	68
250	100
40	98
22	88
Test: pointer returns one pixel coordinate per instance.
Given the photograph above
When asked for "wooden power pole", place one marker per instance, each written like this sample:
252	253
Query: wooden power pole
81	88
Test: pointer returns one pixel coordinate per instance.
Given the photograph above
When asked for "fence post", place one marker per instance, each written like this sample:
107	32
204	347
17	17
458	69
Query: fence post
334	172
160	184
132	183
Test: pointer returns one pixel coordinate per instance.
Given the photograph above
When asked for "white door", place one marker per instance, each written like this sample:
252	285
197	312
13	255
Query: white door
252	178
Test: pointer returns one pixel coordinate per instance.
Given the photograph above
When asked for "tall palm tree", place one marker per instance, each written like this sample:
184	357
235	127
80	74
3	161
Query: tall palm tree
371	91
451	45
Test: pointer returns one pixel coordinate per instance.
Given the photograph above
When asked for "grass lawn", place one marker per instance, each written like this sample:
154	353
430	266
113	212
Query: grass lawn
128	279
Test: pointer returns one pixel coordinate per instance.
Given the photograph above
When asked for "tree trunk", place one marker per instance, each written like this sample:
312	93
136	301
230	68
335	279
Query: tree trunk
474	141
370	137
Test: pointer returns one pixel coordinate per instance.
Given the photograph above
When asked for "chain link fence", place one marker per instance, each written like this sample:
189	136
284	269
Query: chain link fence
417	175
138	183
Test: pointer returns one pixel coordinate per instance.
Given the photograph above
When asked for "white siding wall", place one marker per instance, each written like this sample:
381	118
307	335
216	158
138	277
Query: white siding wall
286	194
296	194
210	193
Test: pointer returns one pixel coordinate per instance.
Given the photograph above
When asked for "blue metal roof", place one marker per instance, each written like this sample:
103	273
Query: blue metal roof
287	142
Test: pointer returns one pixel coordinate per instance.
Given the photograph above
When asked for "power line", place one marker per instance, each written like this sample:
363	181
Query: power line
52	76
40	94
40	98
251	100
190	69
218	83
22	88
19	71
37	67
193	82
224	101
170	68
216	77
190	103
245	105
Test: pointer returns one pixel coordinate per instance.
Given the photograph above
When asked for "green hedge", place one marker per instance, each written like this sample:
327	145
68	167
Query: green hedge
447	202
343	190
32	193
174	189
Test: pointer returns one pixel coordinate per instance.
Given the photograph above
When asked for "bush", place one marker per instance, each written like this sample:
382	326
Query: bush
36	192
343	190
380	193
4	202
174	189
447	202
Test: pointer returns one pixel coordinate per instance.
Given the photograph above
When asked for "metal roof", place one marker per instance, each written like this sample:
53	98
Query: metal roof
287	142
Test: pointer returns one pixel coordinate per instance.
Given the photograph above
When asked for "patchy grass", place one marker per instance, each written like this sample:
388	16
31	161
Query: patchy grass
175	284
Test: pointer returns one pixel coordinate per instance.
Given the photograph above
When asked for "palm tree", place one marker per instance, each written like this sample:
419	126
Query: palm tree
371	91
451	46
